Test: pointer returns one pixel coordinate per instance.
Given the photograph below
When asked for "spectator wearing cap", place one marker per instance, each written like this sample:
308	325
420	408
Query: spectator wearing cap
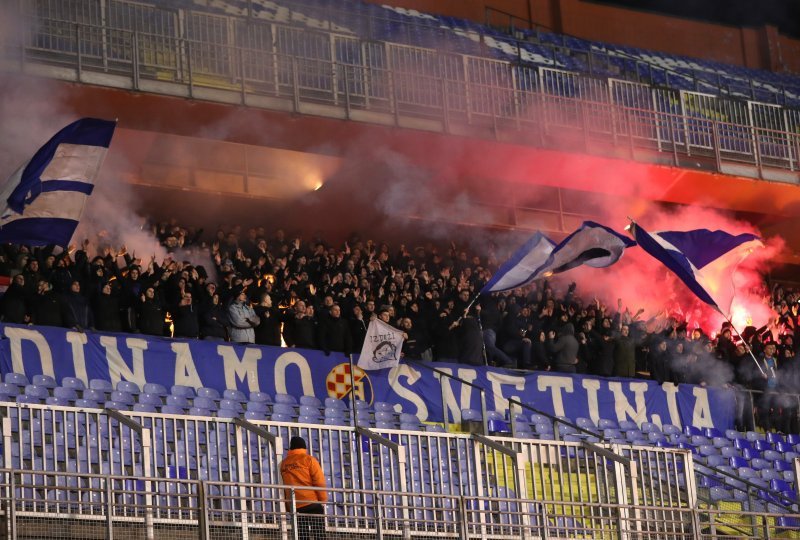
242	319
302	471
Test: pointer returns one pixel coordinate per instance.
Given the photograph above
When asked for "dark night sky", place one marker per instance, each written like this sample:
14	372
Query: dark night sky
785	14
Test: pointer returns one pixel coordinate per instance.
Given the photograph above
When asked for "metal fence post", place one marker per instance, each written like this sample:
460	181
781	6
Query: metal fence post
12	505
293	506
148	484
202	511
79	64
378	518
715	144
109	509
135	61
295	86
462	512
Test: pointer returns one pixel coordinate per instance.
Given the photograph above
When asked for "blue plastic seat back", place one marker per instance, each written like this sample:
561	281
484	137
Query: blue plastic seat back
44	380
74	383
183	391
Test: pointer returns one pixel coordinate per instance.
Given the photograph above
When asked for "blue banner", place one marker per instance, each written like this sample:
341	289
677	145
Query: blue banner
417	390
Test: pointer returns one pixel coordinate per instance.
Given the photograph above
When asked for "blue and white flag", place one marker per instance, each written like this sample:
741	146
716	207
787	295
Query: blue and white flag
592	244
520	269
43	201
701	258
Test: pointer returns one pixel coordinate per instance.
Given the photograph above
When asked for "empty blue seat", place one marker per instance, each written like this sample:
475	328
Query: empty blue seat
605	423
235	395
63	392
206	403
155	388
210	393
230	405
284	408
129	387
750	453
178	401
741	444
57	401
691	431
18	379
94	394
255	415
118	405
121	396
102	385
469	414
784	446
87	404
762	444
628	425
781	465
311	401
144	407
733	434
670	429
197	411
261	397
151	399
39	392
9	389
257	406
286	399
44	380
334	403
172	409
773	437
183	391
228	413
737	462
383	406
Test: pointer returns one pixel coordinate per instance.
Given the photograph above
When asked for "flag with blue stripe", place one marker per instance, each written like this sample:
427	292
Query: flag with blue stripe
702	259
43	200
520	268
591	244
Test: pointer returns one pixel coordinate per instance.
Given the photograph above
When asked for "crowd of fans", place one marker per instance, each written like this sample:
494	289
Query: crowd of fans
270	289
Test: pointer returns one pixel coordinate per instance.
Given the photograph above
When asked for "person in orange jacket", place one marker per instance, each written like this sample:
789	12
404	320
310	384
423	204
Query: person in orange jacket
303	470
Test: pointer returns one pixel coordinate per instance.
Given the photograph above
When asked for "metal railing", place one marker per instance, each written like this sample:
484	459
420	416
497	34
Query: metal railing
323	73
71	506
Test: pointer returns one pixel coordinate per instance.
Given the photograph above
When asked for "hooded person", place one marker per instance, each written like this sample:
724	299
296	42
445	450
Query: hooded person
564	349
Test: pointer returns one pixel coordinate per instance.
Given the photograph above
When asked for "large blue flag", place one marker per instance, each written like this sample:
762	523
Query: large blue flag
521	268
43	201
701	258
591	244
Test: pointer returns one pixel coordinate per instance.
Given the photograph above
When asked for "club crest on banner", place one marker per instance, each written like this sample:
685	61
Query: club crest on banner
338	383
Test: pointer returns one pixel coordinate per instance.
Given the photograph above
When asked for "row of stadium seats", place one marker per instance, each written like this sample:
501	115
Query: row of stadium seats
61	437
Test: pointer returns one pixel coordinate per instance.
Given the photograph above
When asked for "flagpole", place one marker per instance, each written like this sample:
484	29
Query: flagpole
744	342
354	416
